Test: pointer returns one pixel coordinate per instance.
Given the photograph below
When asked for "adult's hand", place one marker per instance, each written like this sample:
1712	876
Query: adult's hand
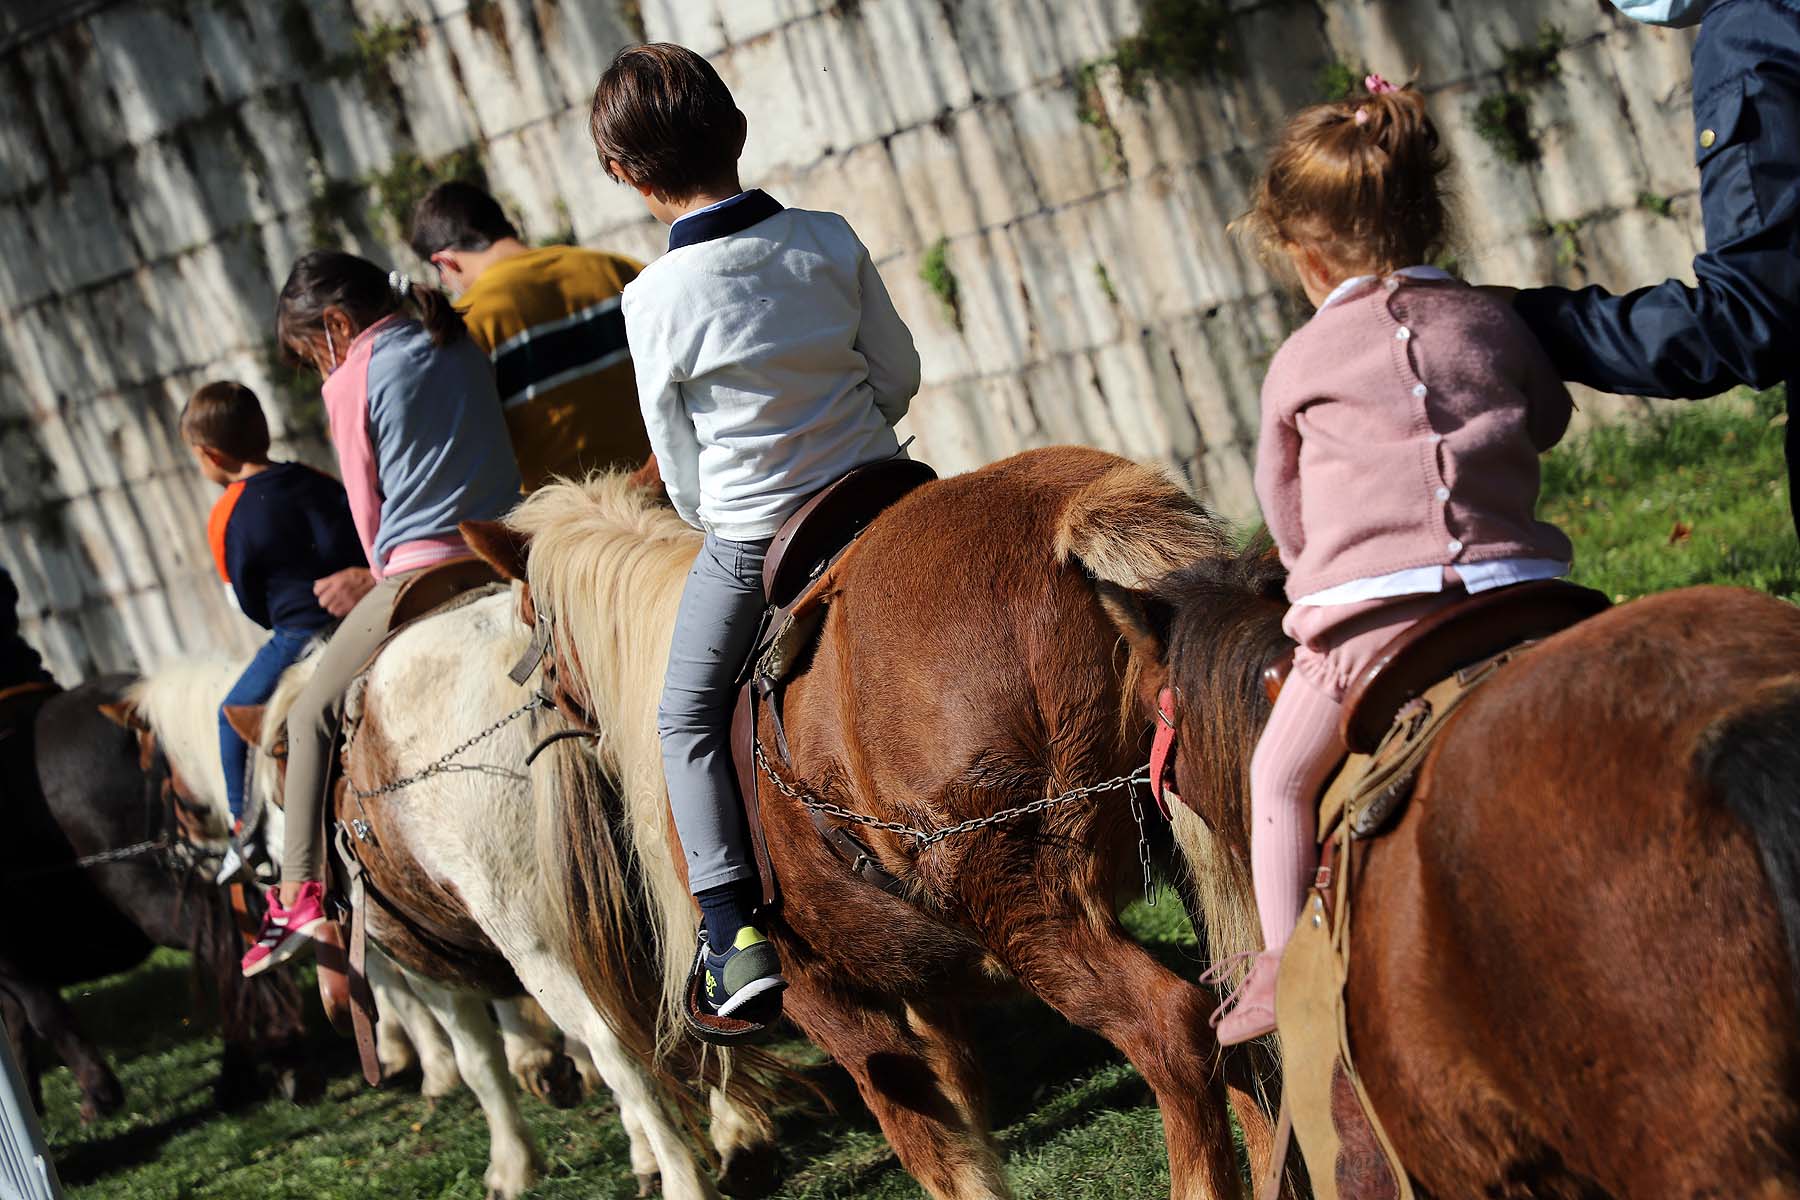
338	592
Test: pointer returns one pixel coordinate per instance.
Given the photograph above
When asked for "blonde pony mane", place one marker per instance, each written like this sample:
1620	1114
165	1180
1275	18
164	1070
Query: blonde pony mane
607	565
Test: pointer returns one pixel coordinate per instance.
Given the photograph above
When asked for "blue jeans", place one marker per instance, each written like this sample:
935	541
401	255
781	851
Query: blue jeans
714	628
255	686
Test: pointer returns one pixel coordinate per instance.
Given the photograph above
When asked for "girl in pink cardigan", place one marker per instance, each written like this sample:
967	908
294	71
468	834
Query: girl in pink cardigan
1398	462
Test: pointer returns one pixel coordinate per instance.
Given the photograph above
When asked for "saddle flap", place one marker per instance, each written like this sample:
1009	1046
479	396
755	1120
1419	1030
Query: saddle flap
437	585
831	519
1480	627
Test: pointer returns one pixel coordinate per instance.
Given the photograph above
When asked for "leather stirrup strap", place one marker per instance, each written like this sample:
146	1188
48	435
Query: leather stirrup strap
743	755
1269	1188
362	997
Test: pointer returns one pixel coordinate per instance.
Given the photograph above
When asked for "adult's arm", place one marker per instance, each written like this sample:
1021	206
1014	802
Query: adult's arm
1740	323
885	343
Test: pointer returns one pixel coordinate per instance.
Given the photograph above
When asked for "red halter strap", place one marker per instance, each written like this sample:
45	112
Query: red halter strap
1162	752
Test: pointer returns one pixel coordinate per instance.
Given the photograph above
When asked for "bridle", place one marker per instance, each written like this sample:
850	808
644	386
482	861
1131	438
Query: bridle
540	658
1162	752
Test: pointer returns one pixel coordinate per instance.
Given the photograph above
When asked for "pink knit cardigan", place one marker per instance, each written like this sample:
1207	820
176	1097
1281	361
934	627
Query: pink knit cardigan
1401	427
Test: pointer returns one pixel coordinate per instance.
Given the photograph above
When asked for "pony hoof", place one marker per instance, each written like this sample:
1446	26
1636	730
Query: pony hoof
649	1183
559	1083
752	1172
103	1101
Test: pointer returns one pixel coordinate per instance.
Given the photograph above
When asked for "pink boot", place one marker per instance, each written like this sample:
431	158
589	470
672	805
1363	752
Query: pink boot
286	931
1249	1012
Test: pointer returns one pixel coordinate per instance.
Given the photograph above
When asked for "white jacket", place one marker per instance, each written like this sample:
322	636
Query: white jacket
769	362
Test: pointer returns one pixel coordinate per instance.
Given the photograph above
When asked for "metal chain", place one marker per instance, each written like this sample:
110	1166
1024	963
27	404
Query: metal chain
135	850
444	762
930	838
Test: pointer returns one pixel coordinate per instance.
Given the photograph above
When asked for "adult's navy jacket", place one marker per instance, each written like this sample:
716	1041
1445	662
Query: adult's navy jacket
1741	323
275	533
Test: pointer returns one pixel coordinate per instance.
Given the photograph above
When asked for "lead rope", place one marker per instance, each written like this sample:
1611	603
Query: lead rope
925	839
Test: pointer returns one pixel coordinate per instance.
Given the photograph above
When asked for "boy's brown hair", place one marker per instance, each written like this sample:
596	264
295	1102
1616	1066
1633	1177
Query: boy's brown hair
226	416
1360	181
664	118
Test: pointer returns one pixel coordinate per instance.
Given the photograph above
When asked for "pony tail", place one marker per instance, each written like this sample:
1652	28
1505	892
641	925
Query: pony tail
436	314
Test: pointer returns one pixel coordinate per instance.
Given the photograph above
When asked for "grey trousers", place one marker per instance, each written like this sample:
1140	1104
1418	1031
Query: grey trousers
714	628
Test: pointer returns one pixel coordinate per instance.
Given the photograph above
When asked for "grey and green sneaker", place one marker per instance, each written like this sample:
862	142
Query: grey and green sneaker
748	969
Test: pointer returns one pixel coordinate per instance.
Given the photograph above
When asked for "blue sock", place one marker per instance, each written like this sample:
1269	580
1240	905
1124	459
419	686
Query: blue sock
724	910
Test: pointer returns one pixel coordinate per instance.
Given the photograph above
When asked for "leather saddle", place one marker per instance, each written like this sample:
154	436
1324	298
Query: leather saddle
808	543
1448	641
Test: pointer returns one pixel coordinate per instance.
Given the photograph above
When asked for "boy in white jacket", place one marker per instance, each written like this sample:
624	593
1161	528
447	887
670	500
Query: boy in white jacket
770	361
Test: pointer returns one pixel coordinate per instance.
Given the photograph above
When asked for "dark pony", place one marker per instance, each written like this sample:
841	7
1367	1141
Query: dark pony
75	788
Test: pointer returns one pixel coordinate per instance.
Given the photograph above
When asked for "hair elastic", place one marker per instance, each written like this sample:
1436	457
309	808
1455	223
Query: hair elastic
1375	85
1362	116
401	283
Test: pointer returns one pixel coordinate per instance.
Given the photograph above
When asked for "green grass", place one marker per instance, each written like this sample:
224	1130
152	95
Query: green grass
1695	495
1072	1119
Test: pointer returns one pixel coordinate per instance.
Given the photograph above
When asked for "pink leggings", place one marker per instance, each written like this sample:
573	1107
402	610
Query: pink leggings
1301	744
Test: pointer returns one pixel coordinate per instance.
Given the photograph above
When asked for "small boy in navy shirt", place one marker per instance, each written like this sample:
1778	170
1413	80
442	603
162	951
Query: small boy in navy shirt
278	534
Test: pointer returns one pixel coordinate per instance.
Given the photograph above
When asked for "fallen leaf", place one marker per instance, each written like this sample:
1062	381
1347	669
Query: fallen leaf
1681	533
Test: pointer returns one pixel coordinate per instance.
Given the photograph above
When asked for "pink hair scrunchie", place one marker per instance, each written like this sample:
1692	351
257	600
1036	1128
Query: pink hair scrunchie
1375	85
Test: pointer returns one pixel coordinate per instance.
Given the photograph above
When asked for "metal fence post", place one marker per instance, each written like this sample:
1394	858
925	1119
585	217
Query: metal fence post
25	1167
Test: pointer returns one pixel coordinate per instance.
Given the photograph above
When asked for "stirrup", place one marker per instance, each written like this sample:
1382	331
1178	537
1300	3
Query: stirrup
709	1026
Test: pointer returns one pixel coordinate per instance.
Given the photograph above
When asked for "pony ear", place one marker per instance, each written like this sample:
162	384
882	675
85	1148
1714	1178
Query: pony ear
247	721
1141	617
124	714
504	548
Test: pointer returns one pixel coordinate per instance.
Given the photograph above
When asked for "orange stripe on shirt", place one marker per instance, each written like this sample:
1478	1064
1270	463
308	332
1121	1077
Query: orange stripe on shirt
217	523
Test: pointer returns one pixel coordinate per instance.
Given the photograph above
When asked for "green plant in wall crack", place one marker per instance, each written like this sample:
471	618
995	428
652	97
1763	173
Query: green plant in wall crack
400	187
1656	202
1504	122
1504	119
1335	80
1535	62
1566	237
935	270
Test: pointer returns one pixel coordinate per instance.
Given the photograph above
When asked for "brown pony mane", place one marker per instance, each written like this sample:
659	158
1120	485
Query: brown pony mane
1224	626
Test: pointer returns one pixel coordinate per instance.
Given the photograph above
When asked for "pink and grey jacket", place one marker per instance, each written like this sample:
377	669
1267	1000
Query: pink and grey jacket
1401	428
421	444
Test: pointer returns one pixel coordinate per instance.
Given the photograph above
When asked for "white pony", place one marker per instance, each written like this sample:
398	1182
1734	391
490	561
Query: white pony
484	831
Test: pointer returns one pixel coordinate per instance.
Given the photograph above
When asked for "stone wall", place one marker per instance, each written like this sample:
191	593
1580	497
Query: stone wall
1046	184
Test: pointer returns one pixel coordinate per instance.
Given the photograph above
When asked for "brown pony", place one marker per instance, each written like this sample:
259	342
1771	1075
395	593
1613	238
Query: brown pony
1576	952
964	666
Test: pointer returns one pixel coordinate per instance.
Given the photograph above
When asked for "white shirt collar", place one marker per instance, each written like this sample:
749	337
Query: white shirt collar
1343	290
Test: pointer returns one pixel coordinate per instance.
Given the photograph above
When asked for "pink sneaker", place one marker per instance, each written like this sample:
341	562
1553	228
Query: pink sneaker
286	931
1249	1012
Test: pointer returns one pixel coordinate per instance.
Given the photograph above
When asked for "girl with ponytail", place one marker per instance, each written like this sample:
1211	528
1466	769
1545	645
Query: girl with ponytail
422	446
1397	466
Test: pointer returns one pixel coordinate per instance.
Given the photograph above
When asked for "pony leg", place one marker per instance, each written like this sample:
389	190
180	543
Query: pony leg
577	1051
749	1158
18	1037
1104	982
554	984
512	1159
532	1053
407	1032
917	1073
643	1159
54	1021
